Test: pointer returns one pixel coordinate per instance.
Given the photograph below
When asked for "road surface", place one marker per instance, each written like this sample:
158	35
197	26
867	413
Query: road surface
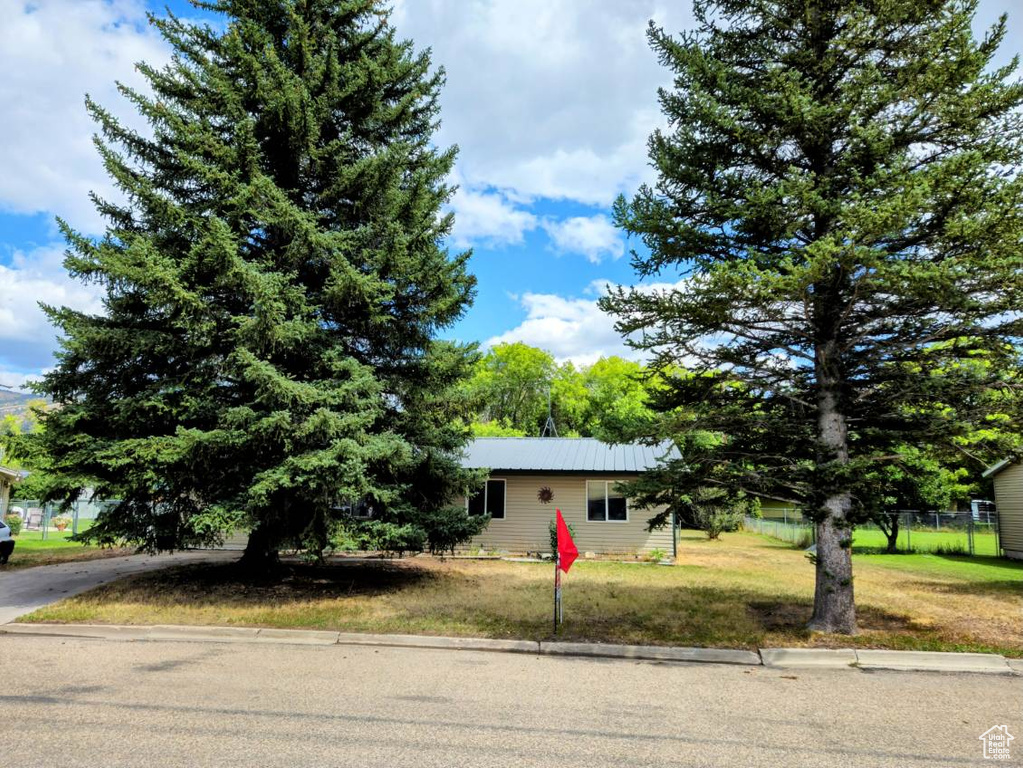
75	702
27	589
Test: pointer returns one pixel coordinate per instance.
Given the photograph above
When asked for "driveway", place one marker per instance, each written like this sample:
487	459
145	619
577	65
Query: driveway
106	703
27	589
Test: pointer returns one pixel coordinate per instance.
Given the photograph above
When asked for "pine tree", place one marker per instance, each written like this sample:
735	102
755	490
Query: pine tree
275	280
839	193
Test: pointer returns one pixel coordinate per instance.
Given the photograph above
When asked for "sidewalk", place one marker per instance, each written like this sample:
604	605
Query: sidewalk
774	658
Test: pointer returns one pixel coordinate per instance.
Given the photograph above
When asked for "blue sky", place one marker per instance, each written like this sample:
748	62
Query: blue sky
550	102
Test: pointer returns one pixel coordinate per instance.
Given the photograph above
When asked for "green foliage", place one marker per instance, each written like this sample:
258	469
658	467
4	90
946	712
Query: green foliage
391	537
274	283
451	527
508	392
656	555
839	194
14	522
509	387
495	429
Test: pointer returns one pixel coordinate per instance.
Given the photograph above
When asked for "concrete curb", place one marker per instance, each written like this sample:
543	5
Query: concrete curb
929	661
652	653
771	658
792	658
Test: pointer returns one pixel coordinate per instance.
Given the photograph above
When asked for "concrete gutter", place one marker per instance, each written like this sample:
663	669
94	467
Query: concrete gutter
771	658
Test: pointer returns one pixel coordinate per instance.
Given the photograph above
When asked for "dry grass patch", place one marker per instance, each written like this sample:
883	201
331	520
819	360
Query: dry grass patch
742	592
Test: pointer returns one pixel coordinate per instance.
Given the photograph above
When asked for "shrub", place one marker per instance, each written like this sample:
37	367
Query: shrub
714	520
656	555
14	523
447	528
391	537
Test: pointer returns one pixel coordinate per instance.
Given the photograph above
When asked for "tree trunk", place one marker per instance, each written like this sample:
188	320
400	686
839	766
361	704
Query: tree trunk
260	556
833	607
892	532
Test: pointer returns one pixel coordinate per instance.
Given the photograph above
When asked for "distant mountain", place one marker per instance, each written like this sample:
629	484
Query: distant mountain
15	403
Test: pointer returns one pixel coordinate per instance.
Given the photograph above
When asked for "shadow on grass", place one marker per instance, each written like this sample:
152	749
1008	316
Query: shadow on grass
236	587
792	616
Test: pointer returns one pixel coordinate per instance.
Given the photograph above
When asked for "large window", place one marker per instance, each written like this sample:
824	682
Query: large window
488	500
604	503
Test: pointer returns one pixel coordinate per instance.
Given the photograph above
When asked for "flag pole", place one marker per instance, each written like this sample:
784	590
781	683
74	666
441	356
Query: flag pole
557	588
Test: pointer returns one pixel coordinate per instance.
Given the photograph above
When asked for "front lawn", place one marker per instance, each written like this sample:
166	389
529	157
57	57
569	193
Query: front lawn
744	591
31	549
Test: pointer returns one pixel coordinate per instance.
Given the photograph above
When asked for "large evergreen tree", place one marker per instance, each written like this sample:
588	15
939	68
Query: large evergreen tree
275	277
839	191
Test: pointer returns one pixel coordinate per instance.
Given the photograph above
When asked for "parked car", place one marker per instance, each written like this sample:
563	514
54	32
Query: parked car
6	542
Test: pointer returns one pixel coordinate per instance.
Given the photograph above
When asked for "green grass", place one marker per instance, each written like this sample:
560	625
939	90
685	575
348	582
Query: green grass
31	549
923	540
744	591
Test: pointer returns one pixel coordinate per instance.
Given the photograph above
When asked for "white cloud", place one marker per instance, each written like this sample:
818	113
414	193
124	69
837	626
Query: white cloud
489	218
593	236
27	340
574	329
52	52
546	98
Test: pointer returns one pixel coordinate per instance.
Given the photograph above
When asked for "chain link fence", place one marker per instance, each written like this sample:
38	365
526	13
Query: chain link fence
49	521
973	532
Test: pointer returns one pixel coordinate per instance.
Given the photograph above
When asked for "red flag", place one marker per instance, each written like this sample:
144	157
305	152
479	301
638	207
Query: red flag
567	552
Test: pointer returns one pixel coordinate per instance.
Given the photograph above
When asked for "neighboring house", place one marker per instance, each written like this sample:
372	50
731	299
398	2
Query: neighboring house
8	477
1008	480
530	477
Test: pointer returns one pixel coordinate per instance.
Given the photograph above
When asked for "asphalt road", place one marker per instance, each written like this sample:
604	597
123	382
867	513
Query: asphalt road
72	702
25	590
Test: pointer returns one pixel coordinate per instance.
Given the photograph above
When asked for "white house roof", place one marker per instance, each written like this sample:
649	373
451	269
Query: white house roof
562	454
10	474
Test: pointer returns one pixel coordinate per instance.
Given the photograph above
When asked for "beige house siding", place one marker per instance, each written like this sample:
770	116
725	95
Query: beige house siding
5	495
1009	498
525	524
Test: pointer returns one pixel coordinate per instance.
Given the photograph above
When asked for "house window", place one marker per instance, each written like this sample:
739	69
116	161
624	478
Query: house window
604	503
358	510
489	500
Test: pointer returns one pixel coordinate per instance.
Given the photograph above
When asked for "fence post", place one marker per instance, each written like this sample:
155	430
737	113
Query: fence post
909	532
969	535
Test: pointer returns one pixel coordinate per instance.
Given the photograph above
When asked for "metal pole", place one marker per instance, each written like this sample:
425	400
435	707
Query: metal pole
557	587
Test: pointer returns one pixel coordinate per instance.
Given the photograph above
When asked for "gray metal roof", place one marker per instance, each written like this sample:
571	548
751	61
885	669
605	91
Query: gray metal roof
561	454
992	471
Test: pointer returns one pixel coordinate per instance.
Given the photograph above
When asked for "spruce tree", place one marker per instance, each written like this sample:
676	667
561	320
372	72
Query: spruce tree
275	279
839	193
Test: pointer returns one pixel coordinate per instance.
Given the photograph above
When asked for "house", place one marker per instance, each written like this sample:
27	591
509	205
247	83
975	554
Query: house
531	477
8	477
1008	481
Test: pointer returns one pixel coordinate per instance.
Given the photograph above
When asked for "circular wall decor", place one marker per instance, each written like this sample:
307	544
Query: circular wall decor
545	495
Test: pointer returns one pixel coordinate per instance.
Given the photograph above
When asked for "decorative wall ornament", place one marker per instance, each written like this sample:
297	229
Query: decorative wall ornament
545	495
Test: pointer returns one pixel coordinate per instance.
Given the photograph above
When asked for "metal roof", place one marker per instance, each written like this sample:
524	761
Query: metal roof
562	454
992	471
